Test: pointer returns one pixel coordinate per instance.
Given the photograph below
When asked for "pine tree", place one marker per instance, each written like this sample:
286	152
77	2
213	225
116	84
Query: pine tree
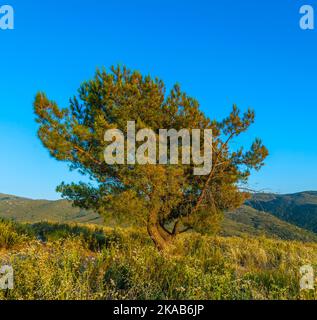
168	199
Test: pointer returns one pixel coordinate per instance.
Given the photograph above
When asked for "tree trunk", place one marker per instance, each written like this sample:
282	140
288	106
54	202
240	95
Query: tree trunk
165	234
176	229
160	236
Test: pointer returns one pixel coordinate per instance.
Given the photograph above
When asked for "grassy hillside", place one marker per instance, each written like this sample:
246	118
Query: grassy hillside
54	261
244	221
248	221
299	208
27	210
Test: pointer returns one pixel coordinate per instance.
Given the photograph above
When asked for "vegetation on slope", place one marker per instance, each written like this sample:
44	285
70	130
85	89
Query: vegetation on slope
28	210
53	261
244	221
299	208
248	221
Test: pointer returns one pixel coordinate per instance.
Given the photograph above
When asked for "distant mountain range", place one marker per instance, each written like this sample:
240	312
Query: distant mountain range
288	217
299	209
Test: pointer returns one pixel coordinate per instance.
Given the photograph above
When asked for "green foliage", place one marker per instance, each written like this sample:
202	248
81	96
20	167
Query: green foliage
129	266
156	194
12	234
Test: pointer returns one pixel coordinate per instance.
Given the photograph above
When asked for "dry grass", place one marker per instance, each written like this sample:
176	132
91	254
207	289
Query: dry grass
54	261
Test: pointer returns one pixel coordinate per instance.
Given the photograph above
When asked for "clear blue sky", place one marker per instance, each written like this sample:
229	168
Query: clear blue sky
251	53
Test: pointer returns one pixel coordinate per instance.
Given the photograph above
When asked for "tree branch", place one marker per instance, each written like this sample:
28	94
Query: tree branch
88	155
202	195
